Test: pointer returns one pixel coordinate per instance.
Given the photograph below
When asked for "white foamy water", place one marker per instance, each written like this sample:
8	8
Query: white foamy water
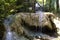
41	15
41	18
8	34
39	11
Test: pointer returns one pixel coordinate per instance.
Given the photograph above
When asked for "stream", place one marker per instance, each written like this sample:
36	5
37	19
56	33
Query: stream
9	35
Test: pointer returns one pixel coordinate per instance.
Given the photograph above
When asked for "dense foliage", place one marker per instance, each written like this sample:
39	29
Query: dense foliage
8	7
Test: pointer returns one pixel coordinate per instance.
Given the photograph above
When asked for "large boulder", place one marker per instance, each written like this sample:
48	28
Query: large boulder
28	26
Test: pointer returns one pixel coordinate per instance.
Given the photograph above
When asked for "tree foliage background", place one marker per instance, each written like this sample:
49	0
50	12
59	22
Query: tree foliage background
8	7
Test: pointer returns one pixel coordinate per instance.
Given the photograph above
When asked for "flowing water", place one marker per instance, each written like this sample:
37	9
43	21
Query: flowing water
41	16
40	12
8	33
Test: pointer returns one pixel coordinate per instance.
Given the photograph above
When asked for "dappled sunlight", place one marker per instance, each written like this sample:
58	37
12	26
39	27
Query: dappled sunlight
57	22
41	1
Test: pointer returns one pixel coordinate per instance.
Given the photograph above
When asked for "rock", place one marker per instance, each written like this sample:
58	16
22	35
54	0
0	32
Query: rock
28	26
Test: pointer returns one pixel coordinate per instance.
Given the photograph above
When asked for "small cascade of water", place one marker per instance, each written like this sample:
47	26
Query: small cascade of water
8	34
40	12
41	17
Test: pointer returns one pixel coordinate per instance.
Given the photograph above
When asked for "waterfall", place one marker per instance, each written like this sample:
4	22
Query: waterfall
41	16
39	11
8	33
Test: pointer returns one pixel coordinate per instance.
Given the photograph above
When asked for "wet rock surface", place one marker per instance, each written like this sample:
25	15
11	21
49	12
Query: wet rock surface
26	26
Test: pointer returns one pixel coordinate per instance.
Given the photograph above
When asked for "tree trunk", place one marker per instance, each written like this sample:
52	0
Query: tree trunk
57	2
50	5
